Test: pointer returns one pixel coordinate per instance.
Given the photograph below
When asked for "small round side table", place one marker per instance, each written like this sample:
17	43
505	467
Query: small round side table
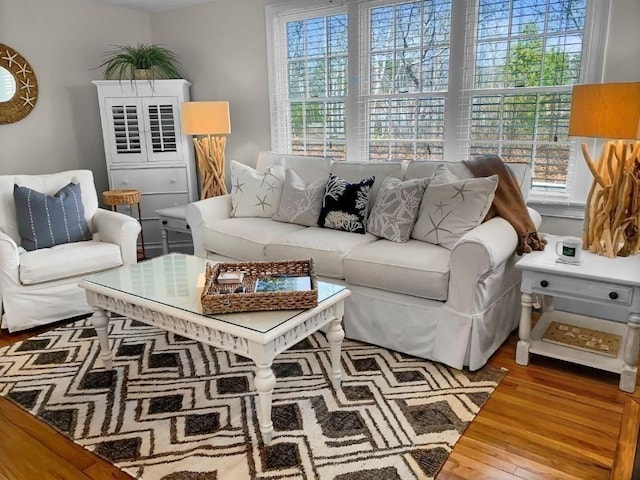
129	197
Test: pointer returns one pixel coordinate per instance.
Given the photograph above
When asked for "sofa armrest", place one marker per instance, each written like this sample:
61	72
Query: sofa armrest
202	212
9	254
120	229
476	255
9	263
535	217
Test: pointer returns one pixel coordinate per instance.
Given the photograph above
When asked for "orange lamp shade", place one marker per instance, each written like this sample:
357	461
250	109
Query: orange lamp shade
206	118
606	110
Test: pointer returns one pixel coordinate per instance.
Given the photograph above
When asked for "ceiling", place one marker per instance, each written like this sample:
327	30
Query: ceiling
153	5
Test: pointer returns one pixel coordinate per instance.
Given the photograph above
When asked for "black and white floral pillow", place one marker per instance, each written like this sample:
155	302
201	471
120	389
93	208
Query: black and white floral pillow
345	205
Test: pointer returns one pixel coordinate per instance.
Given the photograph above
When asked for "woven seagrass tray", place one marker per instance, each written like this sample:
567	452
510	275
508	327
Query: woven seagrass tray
222	297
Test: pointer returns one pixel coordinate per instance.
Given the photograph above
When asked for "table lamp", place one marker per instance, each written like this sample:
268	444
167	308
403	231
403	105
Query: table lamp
210	119
612	211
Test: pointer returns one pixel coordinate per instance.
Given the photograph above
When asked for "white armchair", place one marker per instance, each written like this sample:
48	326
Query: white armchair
41	286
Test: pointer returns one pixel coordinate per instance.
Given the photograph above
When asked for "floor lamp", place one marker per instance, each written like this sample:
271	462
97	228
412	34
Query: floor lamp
210	119
612	211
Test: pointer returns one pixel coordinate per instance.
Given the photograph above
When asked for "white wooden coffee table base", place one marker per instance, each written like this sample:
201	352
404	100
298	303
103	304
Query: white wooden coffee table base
228	337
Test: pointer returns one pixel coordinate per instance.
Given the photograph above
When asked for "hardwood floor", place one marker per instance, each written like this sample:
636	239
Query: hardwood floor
550	420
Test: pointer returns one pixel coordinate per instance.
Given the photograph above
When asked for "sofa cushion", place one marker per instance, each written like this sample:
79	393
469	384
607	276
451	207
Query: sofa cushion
300	202
345	205
450	210
426	168
413	268
355	171
253	193
308	168
68	260
48	220
396	208
327	247
244	238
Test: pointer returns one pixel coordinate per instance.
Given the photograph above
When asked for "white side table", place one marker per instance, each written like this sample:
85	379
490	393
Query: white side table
598	280
172	219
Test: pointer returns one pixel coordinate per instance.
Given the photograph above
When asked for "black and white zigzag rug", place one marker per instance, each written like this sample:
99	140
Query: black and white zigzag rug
174	409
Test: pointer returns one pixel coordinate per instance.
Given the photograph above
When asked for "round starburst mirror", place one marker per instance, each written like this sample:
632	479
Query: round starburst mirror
18	86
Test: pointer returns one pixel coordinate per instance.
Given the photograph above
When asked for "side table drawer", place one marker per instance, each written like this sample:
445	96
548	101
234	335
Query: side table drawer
151	180
588	289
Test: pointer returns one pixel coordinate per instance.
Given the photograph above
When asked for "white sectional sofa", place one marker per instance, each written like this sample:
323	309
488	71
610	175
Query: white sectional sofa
456	307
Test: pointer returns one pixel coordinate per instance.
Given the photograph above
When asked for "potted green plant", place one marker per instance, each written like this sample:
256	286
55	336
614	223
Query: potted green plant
140	62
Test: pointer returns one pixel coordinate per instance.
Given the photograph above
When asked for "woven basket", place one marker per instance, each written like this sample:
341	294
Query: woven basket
127	196
215	300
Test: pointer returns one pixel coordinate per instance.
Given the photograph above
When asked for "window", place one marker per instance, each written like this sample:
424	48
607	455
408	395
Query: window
377	80
405	90
524	57
311	102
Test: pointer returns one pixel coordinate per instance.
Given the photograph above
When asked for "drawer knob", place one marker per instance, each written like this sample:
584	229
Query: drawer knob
164	222
125	182
544	284
613	295
173	180
188	227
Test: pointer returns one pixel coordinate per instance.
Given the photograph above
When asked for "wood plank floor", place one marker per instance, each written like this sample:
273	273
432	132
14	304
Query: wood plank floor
550	420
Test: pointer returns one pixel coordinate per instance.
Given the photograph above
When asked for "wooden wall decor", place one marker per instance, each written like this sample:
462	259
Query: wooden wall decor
26	91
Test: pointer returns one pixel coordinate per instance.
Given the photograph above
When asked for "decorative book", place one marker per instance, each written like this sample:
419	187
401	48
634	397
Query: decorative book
230	277
283	284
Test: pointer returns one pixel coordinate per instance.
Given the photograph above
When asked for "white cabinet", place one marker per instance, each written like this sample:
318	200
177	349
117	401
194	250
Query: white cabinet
145	148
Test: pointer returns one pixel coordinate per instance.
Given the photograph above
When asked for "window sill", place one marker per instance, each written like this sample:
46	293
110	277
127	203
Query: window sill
573	210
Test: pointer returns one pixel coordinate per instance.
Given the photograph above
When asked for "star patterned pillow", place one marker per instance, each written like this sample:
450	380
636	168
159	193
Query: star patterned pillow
300	202
345	205
396	208
253	193
449	210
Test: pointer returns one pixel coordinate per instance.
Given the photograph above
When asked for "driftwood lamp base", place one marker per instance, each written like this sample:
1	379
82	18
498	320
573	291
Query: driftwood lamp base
612	212
210	157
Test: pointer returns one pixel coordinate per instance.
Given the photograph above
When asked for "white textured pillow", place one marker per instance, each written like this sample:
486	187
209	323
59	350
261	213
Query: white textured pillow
253	193
300	202
450	210
396	208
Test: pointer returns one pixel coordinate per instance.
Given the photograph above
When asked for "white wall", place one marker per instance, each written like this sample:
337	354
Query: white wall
623	46
222	47
64	41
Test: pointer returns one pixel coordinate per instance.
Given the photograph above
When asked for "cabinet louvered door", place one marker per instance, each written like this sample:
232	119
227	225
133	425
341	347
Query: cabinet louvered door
162	128
124	116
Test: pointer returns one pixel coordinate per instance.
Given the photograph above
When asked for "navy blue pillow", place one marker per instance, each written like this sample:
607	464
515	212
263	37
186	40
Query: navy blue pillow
45	220
345	205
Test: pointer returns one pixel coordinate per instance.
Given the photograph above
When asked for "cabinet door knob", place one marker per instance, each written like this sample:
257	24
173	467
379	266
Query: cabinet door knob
544	284
125	182
188	227
164	222
613	295
173	180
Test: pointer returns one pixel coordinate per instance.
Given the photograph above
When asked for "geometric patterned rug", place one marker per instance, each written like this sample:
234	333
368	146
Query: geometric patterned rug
175	409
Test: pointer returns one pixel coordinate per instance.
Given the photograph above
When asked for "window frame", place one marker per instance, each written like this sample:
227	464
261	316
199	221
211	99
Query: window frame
566	204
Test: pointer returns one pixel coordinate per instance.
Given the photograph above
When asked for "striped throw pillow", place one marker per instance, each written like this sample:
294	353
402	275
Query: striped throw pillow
45	220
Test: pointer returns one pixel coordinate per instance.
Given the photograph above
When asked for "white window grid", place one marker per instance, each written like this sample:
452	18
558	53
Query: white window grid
455	141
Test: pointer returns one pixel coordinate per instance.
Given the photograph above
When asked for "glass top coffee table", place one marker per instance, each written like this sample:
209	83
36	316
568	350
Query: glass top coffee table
164	292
